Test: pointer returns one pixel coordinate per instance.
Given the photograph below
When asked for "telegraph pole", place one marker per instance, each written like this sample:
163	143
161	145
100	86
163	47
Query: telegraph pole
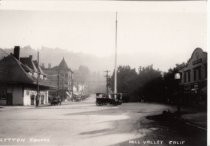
107	80
38	74
115	67
72	84
58	82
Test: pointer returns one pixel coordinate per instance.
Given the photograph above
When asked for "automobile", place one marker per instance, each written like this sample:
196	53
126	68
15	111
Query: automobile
112	99
101	99
56	101
116	99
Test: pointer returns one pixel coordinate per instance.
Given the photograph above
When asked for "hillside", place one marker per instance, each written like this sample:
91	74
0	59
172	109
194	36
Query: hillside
53	56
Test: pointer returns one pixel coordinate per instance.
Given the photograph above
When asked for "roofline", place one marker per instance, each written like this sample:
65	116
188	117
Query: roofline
193	53
19	64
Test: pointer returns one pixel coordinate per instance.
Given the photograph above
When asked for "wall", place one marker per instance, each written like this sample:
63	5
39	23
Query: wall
29	92
17	94
197	55
27	96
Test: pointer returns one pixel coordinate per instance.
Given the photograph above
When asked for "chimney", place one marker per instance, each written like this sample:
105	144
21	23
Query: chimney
17	52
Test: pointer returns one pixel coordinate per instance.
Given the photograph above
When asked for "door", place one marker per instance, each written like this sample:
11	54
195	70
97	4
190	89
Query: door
9	98
32	99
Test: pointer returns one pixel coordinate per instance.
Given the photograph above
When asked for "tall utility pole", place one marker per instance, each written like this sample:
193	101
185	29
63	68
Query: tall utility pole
72	83
115	66
107	82
38	74
58	82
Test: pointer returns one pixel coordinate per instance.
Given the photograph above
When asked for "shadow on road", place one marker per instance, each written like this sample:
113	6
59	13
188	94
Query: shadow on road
167	132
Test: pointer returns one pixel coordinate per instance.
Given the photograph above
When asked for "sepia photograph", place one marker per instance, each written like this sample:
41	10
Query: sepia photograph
103	73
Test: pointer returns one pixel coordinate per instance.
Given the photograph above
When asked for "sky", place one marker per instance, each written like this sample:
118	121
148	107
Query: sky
158	33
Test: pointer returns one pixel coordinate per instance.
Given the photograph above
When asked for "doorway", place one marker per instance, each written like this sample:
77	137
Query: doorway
9	98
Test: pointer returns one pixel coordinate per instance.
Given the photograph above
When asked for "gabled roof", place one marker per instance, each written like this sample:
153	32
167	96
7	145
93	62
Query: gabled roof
28	62
63	65
204	54
196	50
13	71
38	67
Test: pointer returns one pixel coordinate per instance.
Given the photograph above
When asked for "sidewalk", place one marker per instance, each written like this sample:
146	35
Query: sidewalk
4	107
195	117
198	119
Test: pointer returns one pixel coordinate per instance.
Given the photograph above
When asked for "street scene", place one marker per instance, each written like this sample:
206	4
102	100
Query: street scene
86	124
101	74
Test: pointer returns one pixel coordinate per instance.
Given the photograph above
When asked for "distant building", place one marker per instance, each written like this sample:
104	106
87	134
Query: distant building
18	80
194	74
61	77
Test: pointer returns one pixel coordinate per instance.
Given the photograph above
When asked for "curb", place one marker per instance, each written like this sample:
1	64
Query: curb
195	125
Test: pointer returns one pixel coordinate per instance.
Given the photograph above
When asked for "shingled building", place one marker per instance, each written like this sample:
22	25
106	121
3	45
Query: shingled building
61	77
18	80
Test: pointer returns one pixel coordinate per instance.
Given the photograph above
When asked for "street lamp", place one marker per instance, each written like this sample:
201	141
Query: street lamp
177	77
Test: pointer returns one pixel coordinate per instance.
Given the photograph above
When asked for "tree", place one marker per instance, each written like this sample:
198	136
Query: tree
125	79
170	84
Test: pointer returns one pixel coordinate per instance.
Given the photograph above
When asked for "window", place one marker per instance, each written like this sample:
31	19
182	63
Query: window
199	73
3	95
205	66
185	77
195	74
188	75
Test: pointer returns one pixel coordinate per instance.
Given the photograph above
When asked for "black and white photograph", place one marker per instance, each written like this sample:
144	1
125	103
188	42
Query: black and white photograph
103	73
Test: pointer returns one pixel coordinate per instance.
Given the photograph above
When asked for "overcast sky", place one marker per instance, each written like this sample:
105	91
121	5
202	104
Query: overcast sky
159	33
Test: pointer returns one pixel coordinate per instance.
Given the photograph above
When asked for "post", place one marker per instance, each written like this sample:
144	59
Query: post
115	68
72	87
37	96
107	84
58	84
178	78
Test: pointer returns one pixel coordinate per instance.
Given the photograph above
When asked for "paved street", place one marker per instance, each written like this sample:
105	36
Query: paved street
85	124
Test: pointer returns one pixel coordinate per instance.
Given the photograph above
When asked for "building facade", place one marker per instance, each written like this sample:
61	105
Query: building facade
18	80
61	77
194	76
